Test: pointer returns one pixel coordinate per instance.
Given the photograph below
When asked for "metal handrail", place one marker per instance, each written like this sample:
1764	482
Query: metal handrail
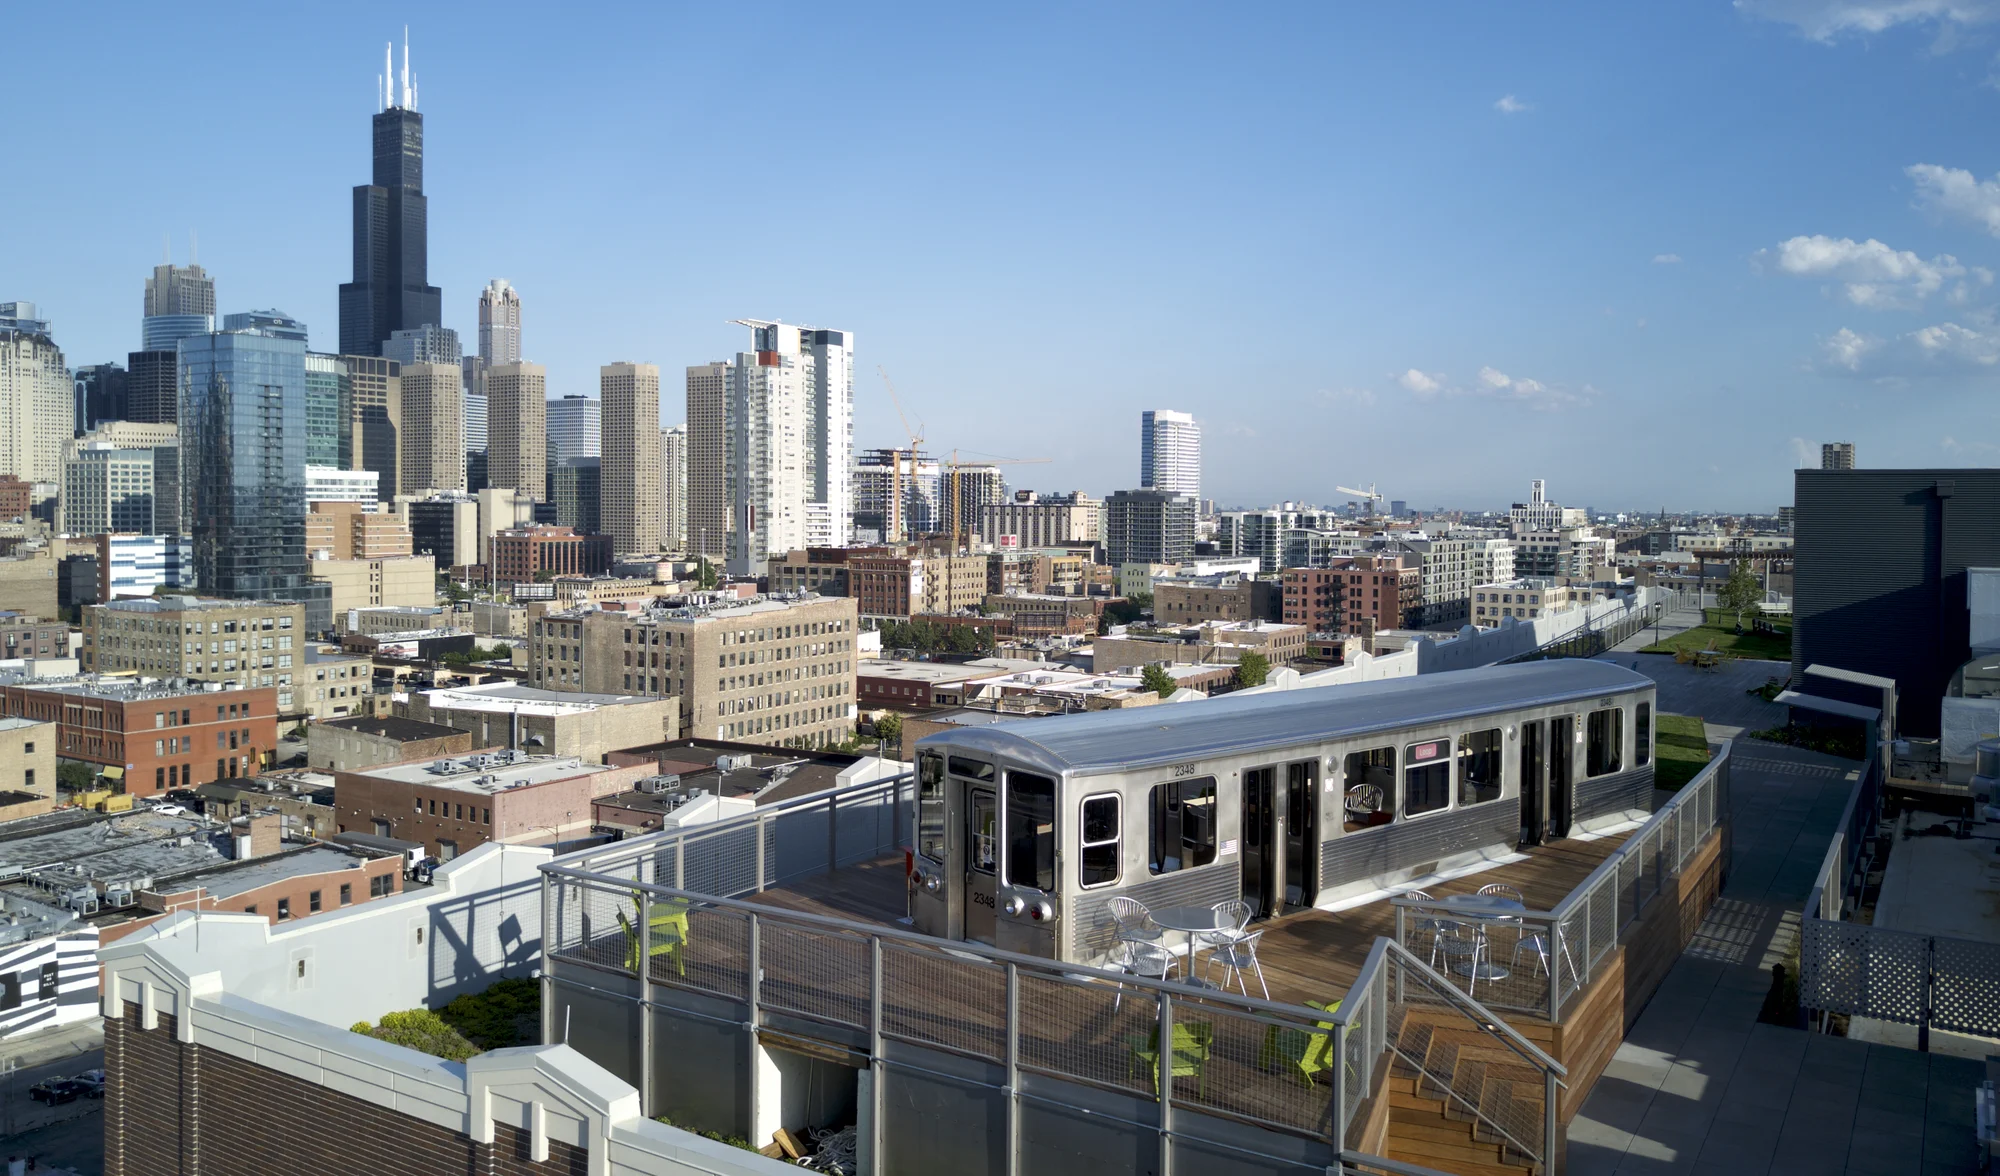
1670	810
1041	965
1487	1018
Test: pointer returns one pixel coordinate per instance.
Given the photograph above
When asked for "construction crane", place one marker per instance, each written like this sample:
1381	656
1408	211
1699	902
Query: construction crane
892	527
1369	496
960	523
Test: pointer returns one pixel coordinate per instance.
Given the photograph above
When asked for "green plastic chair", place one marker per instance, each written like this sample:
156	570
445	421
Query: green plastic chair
669	937
1308	1051
1192	1042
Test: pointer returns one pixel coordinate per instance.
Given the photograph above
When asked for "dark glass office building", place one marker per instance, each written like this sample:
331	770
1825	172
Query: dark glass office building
243	469
152	387
575	486
100	395
390	291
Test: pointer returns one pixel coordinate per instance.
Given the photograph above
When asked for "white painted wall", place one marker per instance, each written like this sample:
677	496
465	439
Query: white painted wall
478	922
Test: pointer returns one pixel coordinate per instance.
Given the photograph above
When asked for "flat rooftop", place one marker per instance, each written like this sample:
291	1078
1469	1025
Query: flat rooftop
17	724
108	688
915	671
468	774
515	698
234	878
111	848
768	774
176	604
401	730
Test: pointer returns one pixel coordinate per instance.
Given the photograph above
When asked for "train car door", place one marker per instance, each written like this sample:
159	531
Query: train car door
1301	832
982	846
1562	758
1534	800
1262	841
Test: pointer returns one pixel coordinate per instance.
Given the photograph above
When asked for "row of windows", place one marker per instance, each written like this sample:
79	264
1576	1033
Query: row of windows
379	886
454	810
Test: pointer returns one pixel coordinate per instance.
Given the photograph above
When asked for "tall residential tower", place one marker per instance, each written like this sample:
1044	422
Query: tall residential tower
632	495
789	445
390	291
1169	452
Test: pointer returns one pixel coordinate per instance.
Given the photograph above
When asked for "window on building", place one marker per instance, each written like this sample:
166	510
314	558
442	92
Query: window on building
1604	734
1478	767
1180	826
251	909
1100	841
312	901
346	893
381	885
284	909
1642	735
1426	777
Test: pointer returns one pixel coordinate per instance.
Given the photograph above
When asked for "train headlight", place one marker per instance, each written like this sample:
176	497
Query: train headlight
1015	905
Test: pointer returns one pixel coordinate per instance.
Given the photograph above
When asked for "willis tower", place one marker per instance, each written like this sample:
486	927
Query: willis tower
390	291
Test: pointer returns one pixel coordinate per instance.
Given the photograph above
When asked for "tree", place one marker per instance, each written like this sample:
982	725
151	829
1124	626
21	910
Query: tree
889	729
1252	669
1157	680
72	776
704	576
1740	593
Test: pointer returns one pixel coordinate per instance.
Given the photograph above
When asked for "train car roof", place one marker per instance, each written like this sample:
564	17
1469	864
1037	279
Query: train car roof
1168	733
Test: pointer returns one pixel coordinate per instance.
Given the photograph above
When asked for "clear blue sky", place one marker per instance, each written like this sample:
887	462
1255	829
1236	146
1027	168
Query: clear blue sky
1647	252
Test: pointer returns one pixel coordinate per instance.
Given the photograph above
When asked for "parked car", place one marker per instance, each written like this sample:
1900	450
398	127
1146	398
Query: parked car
186	796
170	810
56	1091
92	1082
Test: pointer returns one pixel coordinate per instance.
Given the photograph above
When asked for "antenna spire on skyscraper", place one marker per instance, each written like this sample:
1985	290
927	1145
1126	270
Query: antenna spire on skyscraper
407	103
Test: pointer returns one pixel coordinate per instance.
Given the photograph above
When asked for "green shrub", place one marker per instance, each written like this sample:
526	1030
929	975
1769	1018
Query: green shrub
423	1031
508	1013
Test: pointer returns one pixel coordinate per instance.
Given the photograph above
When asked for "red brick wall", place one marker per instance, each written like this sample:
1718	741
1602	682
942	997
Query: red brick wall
121	734
473	818
181	1110
265	898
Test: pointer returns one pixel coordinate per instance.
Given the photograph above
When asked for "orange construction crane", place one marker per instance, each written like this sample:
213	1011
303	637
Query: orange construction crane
959	524
892	528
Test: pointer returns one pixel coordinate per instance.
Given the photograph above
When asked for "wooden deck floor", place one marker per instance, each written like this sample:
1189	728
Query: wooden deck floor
1307	955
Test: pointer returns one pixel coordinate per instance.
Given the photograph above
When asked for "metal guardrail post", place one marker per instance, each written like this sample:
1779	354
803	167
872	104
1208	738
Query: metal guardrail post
645	1000
1340	1032
878	1066
1555	944
1164	1078
750	1024
548	984
832	833
1549	1118
760	852
1013	1069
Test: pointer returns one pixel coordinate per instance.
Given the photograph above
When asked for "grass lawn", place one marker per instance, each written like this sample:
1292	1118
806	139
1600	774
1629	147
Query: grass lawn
1681	751
1719	626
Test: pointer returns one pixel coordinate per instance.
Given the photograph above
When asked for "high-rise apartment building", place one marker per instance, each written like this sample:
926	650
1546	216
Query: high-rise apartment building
1169	452
790	442
964	492
1836	455
243	468
475	419
576	486
390	291
517	428
329	412
428	343
1148	526
575	427
433	430
499	323
1050	520
631	450
180	301
895	496
376	421
108	490
673	488
707	458
37	397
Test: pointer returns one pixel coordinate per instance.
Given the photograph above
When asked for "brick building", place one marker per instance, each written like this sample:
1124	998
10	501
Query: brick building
346	530
521	552
1189	600
152	736
279	884
1357	594
231	642
22	635
349	745
897	587
452	805
1033	614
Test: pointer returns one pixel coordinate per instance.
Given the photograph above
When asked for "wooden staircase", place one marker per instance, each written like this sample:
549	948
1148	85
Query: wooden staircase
1429	1126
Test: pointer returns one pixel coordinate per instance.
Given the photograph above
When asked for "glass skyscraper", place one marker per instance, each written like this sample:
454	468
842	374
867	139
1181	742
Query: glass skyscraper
329	412
243	476
270	322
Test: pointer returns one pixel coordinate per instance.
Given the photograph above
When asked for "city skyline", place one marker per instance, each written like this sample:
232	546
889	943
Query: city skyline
1554	310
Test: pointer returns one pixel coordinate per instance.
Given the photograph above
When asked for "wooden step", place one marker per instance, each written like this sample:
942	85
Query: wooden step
1462	1160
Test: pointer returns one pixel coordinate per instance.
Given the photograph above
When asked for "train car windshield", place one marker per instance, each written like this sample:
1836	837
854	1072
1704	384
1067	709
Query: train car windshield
930	806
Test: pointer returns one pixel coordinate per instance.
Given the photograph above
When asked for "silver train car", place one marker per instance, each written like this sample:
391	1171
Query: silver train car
1026	830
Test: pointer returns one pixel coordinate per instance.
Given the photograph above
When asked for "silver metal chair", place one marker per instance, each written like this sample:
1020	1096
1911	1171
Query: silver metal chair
1424	923
1502	890
1143	959
1537	941
1135	922
1237	957
1463	947
1236	916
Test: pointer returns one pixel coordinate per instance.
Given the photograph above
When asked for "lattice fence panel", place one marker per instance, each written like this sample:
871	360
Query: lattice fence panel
1965	994
1862	971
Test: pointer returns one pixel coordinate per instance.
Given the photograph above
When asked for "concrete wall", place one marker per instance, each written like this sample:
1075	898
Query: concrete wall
479	921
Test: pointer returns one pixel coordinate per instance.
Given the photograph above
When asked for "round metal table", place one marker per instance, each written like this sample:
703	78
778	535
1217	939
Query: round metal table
1193	920
1485	908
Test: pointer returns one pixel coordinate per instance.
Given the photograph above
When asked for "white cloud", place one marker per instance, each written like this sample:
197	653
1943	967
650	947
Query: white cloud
1805	455
1356	397
1533	393
1422	384
1941	350
1509	104
1871	273
1666	259
1957	193
1826	21
1964	451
